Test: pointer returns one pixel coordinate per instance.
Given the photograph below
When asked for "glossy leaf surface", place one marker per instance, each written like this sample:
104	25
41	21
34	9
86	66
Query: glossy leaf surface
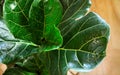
73	9
49	37
16	13
85	47
92	34
12	49
35	21
34	64
44	16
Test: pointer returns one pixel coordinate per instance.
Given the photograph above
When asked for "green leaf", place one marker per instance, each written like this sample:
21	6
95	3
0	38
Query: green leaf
73	9
17	71
85	36
33	64
35	21
15	13
84	49
44	16
11	49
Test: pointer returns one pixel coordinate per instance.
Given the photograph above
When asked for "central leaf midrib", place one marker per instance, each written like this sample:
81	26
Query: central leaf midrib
80	49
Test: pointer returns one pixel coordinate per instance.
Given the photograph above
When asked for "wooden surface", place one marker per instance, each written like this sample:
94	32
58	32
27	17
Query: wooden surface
110	11
3	67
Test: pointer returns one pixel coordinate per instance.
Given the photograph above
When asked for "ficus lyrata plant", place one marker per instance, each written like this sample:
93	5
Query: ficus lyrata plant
50	37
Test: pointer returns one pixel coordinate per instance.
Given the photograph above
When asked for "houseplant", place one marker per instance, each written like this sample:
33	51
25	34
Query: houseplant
49	37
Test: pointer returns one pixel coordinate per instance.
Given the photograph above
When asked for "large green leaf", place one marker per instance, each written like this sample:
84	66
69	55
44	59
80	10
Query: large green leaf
82	55
15	13
44	16
35	21
12	49
17	71
73	9
85	36
84	48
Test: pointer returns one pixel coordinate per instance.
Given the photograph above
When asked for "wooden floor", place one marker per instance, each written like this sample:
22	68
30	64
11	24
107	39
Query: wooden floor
110	11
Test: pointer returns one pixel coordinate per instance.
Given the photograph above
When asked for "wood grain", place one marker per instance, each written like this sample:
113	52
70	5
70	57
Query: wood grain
3	67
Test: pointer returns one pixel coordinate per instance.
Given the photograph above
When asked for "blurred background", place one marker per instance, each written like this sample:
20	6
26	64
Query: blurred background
110	11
